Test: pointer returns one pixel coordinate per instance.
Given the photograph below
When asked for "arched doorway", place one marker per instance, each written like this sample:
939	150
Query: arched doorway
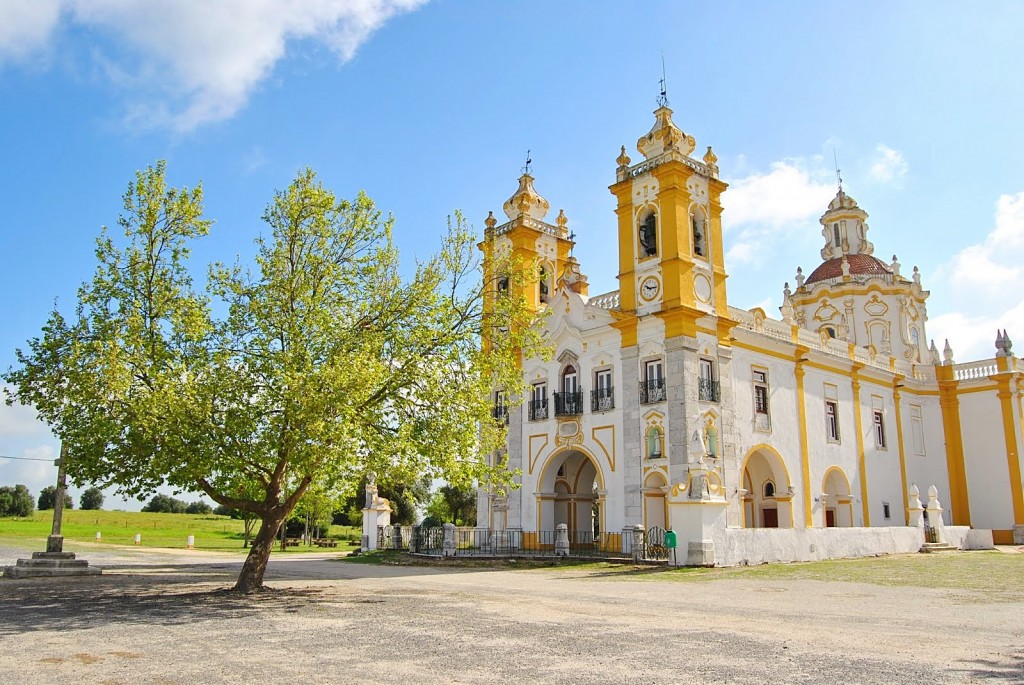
836	501
767	490
571	491
654	501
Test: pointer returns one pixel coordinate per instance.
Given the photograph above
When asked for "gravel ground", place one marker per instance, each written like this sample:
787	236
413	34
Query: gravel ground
162	617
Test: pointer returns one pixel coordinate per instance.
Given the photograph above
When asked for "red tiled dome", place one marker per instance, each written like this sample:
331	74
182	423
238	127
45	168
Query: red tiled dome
860	265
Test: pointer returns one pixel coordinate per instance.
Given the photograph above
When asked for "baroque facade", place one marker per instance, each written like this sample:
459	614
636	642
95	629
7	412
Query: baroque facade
664	406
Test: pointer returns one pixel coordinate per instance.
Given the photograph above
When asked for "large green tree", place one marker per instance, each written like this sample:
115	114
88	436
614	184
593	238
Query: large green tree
327	363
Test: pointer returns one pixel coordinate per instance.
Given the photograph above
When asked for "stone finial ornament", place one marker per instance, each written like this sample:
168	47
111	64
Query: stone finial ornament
1000	346
800	278
623	159
933	354
895	266
947	354
917	277
490	221
1007	344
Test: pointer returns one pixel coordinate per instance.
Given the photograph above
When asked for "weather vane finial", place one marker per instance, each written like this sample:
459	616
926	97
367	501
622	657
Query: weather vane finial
839	176
572	241
526	168
663	95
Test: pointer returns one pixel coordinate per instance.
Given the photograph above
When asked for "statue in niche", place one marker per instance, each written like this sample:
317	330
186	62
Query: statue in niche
648	236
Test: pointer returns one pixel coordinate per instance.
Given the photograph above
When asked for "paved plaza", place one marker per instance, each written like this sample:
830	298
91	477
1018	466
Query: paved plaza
161	617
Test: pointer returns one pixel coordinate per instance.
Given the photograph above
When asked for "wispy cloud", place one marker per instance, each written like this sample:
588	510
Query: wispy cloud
989	280
889	165
26	27
185	63
764	208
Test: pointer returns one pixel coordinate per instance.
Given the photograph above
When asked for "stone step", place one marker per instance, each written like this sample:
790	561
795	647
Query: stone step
930	547
53	555
49	571
52	563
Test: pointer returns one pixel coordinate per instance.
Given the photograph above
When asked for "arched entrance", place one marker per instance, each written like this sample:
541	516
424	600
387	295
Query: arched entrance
836	501
767	490
571	491
654	501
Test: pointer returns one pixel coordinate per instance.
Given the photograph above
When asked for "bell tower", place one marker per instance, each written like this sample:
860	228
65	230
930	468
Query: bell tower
671	256
526	240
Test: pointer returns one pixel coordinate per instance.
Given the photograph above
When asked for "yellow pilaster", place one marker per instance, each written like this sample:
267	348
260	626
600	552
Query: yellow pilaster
1010	433
858	421
805	457
950	405
899	441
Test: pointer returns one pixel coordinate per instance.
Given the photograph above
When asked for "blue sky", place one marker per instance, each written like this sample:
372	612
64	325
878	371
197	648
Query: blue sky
431	106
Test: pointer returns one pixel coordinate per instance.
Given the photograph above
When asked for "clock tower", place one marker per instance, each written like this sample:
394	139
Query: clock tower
671	257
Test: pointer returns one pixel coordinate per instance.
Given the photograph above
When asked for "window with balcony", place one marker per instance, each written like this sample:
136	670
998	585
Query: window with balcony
652	387
602	398
569	402
538	407
500	411
708	388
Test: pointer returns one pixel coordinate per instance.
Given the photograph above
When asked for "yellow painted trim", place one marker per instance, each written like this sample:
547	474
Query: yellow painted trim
604	448
949	403
805	457
1005	395
529	446
988	387
858	421
1002	537
896	400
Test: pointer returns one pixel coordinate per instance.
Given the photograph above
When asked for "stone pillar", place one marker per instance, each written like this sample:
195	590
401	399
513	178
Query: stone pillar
638	543
680	372
448	546
632	440
935	514
514	501
561	540
915	511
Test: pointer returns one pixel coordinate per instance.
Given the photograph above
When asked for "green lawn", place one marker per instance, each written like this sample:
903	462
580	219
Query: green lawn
157	530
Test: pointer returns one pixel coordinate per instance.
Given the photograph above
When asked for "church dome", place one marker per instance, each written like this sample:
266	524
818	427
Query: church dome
860	265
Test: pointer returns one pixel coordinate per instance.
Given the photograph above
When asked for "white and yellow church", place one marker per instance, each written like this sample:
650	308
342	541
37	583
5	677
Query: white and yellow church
809	434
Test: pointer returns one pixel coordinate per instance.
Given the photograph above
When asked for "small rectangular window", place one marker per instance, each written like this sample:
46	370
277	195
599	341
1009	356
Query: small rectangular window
886	511
832	420
759	377
879	422
652	387
602	398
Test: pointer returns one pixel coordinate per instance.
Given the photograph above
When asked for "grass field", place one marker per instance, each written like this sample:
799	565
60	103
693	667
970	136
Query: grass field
157	530
986	576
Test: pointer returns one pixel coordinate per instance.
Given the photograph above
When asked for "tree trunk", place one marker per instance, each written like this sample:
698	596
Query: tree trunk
251	578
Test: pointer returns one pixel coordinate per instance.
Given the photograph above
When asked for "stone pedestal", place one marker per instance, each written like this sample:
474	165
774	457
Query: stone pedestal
50	565
695	514
449	547
376	514
561	540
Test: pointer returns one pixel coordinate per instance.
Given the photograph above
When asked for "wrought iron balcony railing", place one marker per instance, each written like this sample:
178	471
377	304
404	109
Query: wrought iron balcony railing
568	403
709	390
602	399
538	409
500	413
652	391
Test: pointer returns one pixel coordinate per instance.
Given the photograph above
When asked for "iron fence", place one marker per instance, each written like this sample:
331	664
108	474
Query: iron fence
483	542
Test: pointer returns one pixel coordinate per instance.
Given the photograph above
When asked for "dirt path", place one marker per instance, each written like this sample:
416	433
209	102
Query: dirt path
158	618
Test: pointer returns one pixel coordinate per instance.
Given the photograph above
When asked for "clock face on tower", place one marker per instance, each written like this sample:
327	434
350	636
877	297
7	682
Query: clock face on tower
649	288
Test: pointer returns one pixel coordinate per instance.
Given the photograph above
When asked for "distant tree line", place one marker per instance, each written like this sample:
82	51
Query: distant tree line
16	501
165	504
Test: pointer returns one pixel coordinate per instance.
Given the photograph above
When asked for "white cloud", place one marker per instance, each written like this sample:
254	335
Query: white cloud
986	280
889	165
26	27
194	61
764	207
17	420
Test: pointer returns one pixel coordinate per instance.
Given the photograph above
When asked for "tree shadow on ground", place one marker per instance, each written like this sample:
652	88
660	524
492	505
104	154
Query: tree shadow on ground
1008	670
155	596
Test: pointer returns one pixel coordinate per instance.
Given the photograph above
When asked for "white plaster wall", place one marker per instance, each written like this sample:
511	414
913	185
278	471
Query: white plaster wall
784	434
735	546
988	487
931	467
825	454
884	476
